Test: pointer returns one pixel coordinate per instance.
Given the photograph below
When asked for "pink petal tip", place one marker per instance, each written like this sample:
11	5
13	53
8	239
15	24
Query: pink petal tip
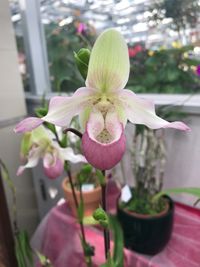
28	125
55	170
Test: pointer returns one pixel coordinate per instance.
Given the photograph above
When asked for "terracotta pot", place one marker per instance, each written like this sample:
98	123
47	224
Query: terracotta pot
92	199
145	233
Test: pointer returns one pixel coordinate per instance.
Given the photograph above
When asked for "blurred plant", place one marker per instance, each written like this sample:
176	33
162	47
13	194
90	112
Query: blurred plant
61	43
174	69
23	250
183	13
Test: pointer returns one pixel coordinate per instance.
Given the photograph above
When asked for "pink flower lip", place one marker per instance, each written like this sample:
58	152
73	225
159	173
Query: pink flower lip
103	156
55	170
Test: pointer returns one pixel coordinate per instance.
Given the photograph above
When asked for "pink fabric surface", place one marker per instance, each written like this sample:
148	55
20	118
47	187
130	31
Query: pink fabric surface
57	237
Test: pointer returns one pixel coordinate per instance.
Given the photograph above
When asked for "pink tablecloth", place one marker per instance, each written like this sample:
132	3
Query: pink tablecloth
57	238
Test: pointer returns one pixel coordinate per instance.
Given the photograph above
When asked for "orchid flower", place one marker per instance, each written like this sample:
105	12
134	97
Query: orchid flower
103	106
37	144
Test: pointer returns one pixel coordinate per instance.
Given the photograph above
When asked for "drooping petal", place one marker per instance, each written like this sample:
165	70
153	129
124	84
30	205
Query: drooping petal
141	111
109	63
69	155
53	165
33	158
28	125
104	147
63	109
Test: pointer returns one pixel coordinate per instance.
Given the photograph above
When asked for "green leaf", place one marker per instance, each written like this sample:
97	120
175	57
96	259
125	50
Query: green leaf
118	255
84	173
109	263
41	112
19	251
27	250
101	177
195	191
86	169
24	252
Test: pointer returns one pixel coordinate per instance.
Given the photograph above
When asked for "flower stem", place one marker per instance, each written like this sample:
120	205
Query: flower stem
88	259
79	134
106	231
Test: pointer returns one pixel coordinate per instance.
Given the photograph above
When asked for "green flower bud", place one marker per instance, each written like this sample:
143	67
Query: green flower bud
101	216
82	61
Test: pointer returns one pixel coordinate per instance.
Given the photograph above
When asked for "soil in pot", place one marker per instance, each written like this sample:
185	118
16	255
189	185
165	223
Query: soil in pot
146	233
91	199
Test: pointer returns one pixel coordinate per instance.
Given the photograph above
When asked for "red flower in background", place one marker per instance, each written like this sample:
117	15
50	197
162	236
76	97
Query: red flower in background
132	51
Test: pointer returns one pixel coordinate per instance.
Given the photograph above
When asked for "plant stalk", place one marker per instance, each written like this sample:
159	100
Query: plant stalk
106	231
76	204
75	199
79	134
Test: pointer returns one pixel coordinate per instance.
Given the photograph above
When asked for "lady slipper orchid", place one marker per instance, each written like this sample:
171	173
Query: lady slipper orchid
37	144
103	106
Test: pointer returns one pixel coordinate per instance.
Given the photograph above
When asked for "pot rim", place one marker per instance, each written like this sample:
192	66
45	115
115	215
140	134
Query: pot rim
66	188
169	208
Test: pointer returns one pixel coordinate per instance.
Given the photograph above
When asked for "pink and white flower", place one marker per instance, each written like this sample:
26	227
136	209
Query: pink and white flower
103	105
38	145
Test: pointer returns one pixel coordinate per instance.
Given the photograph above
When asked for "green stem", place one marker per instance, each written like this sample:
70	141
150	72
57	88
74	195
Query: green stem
79	134
88	259
81	221
106	231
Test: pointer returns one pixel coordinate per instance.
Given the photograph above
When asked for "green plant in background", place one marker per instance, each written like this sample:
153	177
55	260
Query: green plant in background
183	13
62	42
148	164
164	71
89	175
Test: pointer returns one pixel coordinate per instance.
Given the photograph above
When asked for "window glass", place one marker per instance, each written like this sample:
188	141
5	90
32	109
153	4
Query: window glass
163	39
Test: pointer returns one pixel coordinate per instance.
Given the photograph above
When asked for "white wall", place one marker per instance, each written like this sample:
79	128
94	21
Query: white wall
12	109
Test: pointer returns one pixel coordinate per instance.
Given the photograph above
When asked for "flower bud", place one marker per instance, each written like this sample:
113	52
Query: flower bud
101	216
82	61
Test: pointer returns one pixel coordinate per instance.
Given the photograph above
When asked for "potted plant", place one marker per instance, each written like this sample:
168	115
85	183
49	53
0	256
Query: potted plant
145	211
147	224
87	187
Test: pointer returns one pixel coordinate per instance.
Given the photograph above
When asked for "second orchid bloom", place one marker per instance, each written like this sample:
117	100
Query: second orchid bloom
37	145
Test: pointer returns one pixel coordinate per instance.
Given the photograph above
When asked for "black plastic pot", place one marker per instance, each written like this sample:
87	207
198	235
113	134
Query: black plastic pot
147	235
